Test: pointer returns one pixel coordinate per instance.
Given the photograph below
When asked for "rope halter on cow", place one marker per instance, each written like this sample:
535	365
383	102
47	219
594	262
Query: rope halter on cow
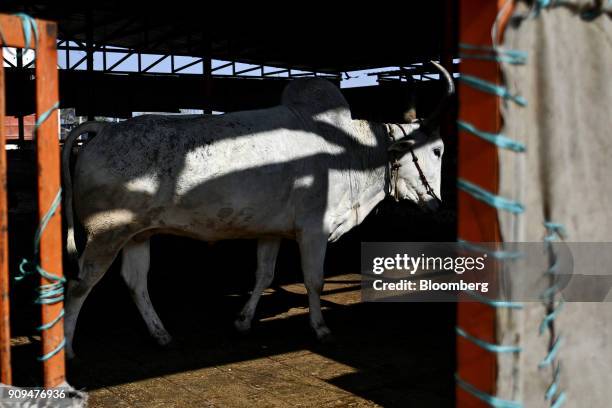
394	166
427	126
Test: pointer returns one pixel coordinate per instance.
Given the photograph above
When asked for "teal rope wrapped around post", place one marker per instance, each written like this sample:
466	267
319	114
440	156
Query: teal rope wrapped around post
50	293
495	54
491	199
29	26
490	87
494	303
489	399
497	139
497	254
495	348
550	317
554	232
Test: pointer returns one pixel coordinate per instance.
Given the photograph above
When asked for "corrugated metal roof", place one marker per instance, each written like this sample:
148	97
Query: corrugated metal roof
297	35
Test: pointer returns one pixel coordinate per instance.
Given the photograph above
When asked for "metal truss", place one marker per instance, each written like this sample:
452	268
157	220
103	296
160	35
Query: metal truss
419	71
66	46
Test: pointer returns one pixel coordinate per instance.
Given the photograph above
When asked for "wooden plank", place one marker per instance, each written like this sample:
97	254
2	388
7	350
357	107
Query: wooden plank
5	320
12	31
477	221
48	159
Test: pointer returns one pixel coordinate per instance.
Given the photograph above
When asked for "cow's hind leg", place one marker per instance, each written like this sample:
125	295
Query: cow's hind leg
267	250
312	253
95	260
135	263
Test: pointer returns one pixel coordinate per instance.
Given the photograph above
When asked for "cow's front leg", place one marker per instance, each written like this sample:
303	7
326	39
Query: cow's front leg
267	250
312	253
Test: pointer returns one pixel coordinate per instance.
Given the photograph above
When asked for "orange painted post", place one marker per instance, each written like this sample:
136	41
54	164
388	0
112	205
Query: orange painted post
5	320
12	31
47	144
477	221
13	37
48	158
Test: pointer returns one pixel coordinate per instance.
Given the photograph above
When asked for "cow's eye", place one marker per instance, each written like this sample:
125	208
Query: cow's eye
437	152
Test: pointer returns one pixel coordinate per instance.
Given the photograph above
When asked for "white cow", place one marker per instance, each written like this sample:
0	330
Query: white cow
303	170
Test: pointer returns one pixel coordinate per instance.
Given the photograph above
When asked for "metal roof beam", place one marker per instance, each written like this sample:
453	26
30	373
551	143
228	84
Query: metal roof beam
156	62
244	71
122	59
199	60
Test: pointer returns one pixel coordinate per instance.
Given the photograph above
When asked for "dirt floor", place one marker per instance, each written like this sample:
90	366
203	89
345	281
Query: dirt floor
385	354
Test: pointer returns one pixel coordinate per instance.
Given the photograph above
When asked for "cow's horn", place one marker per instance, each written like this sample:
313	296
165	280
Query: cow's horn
432	121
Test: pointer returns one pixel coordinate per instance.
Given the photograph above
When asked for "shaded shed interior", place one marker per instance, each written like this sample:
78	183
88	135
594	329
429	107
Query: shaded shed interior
307	37
198	288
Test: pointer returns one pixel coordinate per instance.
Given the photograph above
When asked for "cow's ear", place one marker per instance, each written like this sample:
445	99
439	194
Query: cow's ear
410	116
402	145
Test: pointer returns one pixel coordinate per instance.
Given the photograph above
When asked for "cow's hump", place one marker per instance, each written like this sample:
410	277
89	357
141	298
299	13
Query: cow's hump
313	96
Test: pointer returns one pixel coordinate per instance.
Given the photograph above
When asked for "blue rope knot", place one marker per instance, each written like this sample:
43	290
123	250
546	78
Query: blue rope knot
552	353
497	139
483	396
44	116
500	254
554	232
29	25
491	199
494	302
590	14
490	87
494	348
49	293
550	317
553	388
497	54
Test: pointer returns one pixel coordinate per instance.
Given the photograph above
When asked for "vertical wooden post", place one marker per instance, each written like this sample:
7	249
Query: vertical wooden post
47	144
207	84
5	321
448	125
477	221
20	122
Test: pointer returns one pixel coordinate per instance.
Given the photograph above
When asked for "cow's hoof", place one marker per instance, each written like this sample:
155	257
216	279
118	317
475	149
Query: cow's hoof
171	345
327	339
164	341
324	335
242	325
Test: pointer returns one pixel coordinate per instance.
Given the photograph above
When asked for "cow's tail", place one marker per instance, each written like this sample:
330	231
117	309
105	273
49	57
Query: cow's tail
93	127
